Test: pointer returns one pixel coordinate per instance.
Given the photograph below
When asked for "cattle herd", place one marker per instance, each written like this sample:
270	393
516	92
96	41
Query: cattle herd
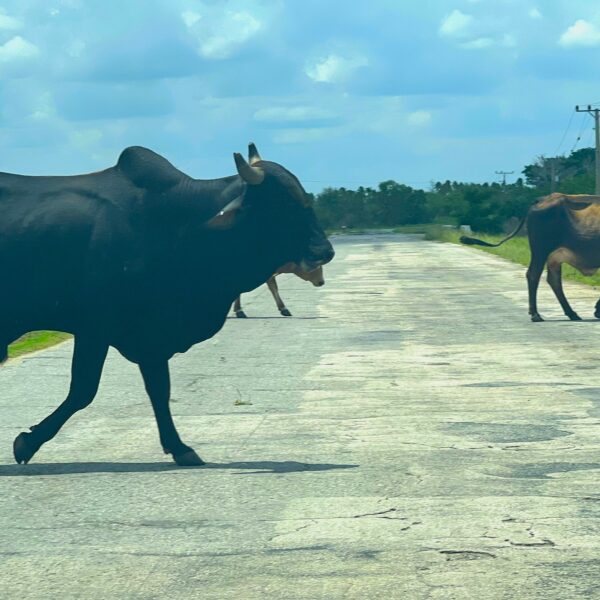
114	258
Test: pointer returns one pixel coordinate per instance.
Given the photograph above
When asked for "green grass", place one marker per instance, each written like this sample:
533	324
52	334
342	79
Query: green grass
515	250
36	340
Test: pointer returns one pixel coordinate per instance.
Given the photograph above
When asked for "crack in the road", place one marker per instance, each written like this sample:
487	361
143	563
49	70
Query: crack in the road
467	554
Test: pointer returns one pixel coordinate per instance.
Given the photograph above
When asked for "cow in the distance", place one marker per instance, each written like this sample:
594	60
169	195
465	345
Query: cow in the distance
562	228
315	277
113	257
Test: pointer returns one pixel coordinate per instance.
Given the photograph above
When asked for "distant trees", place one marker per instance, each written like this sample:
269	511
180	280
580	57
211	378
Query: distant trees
391	204
572	174
485	207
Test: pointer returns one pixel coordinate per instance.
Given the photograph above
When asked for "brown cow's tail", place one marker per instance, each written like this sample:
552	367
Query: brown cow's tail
469	241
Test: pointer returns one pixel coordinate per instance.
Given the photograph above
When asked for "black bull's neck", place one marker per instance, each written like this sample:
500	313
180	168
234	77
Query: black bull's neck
196	271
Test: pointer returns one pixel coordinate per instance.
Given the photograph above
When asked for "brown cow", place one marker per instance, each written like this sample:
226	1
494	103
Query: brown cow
315	277
562	228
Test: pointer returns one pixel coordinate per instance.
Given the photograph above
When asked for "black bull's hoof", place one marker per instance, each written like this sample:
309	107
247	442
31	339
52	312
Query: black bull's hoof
285	312
240	314
188	459
24	448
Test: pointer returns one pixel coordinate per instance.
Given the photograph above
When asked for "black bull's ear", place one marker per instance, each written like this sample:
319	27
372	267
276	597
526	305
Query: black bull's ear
226	217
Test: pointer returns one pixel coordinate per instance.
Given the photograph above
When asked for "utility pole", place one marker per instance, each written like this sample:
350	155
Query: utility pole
504	174
553	177
594	112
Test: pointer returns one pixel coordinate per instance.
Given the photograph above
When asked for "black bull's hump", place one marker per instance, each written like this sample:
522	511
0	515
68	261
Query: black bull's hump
126	253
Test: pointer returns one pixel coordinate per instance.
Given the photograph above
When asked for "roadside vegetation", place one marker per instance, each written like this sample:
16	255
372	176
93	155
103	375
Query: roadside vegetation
515	250
36	340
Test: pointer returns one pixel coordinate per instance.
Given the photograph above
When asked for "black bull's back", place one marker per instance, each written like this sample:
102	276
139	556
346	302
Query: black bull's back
50	230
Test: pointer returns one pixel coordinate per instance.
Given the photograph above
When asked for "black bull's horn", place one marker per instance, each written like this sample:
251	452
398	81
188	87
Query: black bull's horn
251	175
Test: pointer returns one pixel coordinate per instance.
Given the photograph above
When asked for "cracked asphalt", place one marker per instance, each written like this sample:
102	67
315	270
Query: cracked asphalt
407	434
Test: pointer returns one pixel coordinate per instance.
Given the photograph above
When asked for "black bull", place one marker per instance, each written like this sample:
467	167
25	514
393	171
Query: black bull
143	258
562	228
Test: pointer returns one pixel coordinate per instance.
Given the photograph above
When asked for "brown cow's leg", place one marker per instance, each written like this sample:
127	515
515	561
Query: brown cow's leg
534	272
158	385
88	359
272	283
555	281
237	308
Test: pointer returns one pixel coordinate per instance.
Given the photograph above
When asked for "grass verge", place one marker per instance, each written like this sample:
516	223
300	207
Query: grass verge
35	340
515	250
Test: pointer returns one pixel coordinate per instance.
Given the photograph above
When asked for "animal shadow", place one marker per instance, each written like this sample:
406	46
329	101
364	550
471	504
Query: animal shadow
242	468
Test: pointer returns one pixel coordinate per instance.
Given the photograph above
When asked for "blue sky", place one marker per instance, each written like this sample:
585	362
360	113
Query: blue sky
342	93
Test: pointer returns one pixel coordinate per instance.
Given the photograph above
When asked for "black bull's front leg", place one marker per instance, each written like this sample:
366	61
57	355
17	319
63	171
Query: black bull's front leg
158	385
89	355
88	359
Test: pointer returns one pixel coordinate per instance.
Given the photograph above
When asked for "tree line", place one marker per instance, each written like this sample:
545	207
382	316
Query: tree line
486	207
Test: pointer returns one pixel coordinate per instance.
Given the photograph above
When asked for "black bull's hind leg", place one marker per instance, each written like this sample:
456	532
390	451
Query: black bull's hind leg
555	282
158	385
88	359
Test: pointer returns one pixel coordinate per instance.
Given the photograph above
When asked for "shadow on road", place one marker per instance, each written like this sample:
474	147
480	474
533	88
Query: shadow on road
245	468
249	318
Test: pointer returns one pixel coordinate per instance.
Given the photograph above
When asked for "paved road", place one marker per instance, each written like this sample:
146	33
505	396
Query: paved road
409	434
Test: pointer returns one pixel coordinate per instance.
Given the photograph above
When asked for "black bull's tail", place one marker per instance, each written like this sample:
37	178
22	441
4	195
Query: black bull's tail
475	242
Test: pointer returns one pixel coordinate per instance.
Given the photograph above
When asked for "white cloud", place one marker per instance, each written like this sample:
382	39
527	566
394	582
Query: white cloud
190	18
419	118
581	33
506	41
44	108
76	48
334	68
220	35
17	48
7	22
292	113
478	43
534	13
456	24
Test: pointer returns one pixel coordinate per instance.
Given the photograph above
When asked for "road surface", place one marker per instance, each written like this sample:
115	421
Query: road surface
408	434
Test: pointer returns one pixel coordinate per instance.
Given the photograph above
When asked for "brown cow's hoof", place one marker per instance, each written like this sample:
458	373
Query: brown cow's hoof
285	312
240	314
188	459
537	318
24	448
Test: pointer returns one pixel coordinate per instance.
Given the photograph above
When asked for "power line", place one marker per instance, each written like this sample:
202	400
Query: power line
565	133
581	128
